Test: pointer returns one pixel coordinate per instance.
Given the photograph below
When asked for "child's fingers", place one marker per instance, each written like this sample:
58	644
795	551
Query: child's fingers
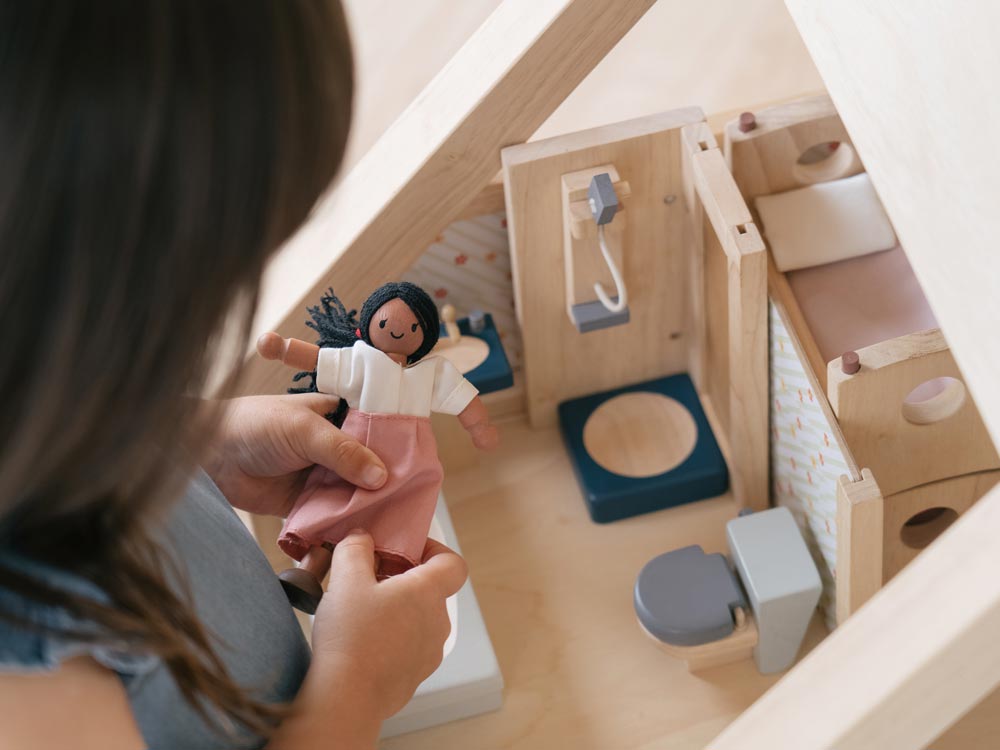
354	557
443	566
319	442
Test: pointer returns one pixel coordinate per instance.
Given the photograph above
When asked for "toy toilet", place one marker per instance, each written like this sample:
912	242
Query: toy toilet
699	610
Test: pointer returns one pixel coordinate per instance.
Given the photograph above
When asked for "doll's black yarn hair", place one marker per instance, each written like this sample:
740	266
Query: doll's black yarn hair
339	327
420	304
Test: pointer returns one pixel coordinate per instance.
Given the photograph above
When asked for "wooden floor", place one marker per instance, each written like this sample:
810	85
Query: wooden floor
555	590
556	594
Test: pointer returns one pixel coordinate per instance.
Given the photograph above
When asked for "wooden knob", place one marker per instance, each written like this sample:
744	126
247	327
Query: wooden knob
850	363
448	313
747	122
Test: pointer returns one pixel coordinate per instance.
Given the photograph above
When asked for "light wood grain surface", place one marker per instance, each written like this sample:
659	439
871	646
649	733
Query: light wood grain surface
869	408
559	362
954	496
927	68
555	590
737	352
859	542
673	57
640	434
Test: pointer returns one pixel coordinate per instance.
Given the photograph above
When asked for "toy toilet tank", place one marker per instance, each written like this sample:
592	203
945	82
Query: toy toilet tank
695	607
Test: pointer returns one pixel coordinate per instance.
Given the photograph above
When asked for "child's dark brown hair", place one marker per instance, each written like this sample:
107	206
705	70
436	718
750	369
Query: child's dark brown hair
155	152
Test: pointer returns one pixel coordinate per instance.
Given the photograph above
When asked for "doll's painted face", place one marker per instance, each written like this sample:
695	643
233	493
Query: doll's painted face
394	329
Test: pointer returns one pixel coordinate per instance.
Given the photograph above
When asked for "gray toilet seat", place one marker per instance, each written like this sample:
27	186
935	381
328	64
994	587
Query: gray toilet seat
686	597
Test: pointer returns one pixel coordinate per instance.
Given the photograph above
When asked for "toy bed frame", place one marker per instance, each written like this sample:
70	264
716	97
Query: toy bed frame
923	463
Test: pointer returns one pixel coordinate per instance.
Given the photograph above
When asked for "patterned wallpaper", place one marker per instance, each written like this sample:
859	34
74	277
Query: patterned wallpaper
469	266
805	459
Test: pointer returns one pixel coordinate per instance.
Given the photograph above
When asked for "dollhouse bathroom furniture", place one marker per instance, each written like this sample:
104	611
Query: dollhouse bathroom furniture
698	609
692	351
587	217
924	647
875	445
604	452
606	441
473	345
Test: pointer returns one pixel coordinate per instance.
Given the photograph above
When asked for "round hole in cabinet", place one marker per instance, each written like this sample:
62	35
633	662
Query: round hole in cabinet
823	162
934	400
924	527
640	434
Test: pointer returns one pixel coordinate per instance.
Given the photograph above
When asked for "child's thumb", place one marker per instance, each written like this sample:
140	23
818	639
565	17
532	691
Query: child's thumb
354	556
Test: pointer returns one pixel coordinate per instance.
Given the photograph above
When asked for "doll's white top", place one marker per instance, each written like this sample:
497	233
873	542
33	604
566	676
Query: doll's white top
370	381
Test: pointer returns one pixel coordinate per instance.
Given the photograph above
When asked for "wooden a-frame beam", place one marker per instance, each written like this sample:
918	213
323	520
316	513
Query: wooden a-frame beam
915	85
443	150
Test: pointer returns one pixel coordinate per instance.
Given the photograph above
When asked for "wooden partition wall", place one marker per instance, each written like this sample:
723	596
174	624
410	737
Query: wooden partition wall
694	265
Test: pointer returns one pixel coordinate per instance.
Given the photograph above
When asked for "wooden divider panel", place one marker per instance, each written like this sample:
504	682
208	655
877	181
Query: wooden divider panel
559	362
694	266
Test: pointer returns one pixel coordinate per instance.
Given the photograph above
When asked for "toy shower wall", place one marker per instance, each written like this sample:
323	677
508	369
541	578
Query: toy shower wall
805	459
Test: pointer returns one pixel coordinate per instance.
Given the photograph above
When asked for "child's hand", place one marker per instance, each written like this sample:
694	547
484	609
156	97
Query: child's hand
387	636
266	443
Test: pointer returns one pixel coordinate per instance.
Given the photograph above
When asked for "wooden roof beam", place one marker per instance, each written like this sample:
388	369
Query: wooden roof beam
443	150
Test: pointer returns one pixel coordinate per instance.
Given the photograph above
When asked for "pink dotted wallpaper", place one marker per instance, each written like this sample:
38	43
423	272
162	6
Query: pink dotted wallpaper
469	266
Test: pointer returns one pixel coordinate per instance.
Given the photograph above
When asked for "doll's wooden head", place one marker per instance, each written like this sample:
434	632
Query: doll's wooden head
400	318
401	303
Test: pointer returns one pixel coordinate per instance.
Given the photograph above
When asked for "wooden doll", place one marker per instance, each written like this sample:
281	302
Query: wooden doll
377	364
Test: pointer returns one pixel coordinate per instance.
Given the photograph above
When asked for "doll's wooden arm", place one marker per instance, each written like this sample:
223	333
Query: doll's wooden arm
476	420
293	352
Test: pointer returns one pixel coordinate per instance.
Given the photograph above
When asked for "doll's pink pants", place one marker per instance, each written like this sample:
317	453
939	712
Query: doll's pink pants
398	515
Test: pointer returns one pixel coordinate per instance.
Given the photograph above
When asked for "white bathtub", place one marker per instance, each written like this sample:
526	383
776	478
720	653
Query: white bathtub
468	682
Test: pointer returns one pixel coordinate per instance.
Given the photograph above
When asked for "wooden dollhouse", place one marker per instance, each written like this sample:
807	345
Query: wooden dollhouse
708	298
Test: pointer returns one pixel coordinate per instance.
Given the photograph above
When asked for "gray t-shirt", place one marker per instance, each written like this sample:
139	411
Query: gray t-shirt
236	596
